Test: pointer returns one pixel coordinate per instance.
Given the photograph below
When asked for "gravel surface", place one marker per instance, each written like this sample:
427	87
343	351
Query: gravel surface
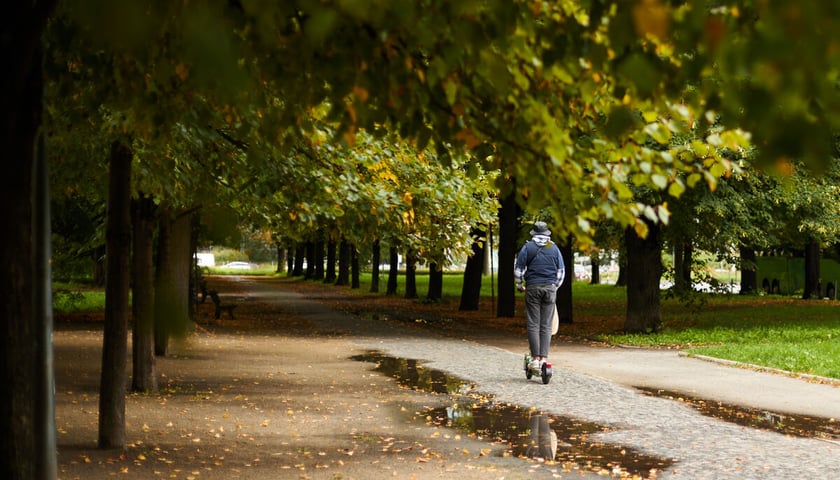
703	447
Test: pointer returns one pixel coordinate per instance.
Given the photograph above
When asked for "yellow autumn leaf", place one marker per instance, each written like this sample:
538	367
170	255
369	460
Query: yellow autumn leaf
182	72
653	18
468	137
361	93
351	110
641	228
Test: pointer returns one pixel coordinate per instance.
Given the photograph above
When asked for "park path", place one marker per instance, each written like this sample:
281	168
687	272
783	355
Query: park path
274	394
599	390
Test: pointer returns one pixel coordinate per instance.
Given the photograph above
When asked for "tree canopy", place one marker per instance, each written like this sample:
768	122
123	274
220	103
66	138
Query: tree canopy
541	92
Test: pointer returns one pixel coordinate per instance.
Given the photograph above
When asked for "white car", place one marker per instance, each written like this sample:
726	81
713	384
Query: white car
238	265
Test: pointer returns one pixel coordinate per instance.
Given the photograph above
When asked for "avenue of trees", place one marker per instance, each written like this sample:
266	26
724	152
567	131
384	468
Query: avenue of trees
421	125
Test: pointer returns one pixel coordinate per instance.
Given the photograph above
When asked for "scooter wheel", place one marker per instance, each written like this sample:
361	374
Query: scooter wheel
528	372
546	374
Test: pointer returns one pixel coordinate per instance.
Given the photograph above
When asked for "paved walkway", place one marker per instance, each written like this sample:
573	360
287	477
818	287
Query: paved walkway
594	384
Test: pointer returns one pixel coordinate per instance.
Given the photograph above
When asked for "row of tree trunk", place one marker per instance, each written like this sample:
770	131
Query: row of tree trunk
162	299
643	258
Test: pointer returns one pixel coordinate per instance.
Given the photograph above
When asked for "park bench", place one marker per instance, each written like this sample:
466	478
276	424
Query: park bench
220	307
202	292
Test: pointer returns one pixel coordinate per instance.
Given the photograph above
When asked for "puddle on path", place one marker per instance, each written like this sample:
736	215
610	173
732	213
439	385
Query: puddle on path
527	433
787	424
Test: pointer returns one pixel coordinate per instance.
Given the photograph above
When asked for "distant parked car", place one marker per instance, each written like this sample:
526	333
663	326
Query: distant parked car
238	265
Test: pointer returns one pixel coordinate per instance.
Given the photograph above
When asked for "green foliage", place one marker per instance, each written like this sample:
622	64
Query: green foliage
292	113
70	299
524	86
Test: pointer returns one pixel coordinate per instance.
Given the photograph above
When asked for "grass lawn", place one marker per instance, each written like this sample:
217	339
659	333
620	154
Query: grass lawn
801	336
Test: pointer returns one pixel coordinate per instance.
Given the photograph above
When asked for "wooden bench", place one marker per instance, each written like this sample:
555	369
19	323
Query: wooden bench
202	292
220	307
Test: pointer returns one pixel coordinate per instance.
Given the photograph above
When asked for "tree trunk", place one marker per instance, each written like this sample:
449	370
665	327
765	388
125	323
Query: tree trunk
290	259
114	377
329	273
393	271
508	233
621	280
172	283
564	294
318	261
281	258
300	255
355	270
683	258
375	260
594	267
435	293
749	277
471	288
644	271
343	278
309	274
143	297
410	276
27	402
813	288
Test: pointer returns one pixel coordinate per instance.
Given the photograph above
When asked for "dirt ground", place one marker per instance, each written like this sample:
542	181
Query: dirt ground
268	395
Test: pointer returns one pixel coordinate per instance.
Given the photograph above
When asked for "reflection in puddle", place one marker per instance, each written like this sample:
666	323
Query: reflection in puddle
787	424
525	432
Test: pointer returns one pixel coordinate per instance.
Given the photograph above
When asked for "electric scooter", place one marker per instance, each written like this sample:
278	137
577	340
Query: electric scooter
544	370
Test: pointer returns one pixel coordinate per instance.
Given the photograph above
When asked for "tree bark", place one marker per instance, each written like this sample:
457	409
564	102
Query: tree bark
410	275
318	260
644	271
812	269
473	272
300	255
393	271
172	282
749	277
27	402
508	233
281	258
621	280
564	293
683	258
309	274
375	260
435	293
594	267
329	273
355	269
290	259
143	297
114	377
343	278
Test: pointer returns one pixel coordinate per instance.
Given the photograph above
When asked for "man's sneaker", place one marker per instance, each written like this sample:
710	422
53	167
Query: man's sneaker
534	365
